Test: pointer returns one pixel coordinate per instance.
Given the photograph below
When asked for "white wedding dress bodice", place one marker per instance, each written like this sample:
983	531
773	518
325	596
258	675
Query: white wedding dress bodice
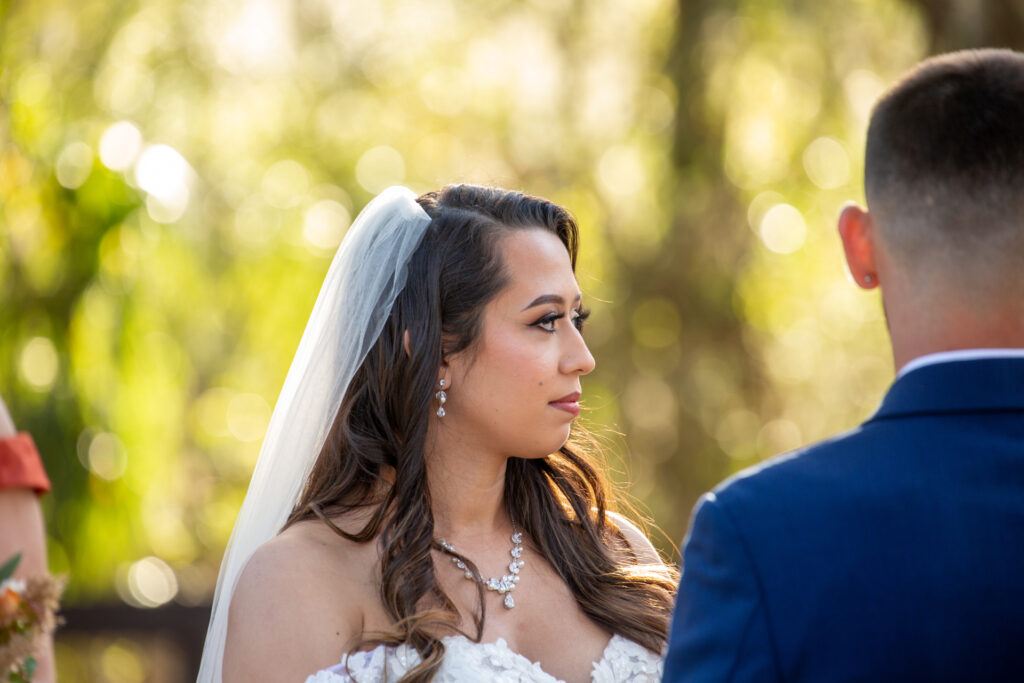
622	661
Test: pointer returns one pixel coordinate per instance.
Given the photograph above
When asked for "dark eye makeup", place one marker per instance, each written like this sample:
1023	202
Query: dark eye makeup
547	322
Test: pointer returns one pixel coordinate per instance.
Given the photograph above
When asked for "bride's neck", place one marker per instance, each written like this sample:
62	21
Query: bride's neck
467	491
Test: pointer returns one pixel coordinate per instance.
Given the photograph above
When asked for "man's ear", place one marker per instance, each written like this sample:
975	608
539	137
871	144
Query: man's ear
858	233
407	343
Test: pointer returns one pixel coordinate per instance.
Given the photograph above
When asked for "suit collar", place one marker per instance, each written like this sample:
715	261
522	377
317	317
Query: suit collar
958	354
961	386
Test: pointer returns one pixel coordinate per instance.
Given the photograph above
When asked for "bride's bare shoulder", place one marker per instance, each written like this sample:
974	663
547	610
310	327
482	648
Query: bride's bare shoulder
640	546
299	604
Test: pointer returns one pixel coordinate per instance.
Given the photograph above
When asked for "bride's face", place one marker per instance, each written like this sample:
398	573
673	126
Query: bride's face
516	390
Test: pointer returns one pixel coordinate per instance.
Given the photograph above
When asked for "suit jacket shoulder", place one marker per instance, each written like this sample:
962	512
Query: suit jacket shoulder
892	549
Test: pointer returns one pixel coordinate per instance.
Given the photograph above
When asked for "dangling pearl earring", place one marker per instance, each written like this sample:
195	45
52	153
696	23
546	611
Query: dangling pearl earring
441	398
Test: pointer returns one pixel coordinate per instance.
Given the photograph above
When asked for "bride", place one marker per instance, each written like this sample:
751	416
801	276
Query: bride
419	511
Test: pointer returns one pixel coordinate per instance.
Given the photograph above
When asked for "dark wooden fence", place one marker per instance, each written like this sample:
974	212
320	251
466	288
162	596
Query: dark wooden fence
177	628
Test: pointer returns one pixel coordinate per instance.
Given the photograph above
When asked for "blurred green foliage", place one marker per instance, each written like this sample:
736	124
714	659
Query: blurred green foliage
174	177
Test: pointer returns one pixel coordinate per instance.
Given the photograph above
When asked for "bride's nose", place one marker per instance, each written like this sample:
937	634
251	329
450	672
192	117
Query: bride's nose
576	357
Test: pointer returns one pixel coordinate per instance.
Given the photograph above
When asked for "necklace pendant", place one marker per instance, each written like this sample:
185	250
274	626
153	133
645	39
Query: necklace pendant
507	583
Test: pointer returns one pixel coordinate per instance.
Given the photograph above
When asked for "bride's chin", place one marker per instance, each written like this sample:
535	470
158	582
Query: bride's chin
549	448
536	455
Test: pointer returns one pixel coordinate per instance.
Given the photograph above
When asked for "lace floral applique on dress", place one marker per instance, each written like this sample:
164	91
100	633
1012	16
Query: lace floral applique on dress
622	661
625	661
370	667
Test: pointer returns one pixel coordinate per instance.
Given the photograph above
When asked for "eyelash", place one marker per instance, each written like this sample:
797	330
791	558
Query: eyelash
581	317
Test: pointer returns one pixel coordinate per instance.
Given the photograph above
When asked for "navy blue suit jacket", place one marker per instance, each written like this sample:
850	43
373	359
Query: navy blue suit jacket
892	552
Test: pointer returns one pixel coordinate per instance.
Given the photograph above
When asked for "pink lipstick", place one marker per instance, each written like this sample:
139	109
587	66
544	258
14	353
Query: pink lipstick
570	403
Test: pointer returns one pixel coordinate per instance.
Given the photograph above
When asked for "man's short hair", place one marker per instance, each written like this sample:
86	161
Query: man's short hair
944	167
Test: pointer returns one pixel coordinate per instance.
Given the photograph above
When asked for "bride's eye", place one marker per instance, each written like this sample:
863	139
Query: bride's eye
547	323
580	318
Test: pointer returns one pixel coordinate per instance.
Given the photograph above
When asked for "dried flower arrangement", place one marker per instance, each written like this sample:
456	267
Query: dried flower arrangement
28	614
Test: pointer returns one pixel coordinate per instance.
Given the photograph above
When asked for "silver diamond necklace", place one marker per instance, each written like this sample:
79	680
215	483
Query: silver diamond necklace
507	583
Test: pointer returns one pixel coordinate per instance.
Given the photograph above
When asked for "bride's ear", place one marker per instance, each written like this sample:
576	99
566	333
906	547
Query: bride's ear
444	372
407	343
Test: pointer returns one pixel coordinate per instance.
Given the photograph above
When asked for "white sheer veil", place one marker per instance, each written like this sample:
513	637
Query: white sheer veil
368	272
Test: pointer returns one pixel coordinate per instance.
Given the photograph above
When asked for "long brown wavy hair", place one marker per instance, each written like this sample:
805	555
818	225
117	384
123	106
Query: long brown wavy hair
373	456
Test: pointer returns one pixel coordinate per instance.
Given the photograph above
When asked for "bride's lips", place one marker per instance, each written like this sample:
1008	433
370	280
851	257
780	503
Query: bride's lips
570	403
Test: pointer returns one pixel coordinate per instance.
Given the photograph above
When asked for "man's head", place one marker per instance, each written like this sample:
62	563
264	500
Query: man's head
944	179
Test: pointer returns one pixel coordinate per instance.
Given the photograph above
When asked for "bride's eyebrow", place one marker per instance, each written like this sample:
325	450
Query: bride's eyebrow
551	299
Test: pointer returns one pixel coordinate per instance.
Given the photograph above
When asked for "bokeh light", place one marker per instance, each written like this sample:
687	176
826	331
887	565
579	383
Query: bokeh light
862	88
39	363
120	145
106	456
151	582
248	416
121	663
621	172
325	224
827	163
379	168
163	173
74	165
650	402
783	229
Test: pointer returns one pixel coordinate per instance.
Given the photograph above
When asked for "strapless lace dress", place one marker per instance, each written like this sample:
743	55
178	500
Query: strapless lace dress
622	661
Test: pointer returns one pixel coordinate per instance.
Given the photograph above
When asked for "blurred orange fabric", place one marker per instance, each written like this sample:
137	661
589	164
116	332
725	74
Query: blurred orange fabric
20	466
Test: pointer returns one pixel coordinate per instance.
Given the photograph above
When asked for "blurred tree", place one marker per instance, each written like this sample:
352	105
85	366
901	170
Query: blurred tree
959	25
687	336
56	212
731	385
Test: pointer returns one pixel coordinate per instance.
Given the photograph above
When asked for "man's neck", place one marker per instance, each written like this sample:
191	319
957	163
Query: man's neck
955	329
